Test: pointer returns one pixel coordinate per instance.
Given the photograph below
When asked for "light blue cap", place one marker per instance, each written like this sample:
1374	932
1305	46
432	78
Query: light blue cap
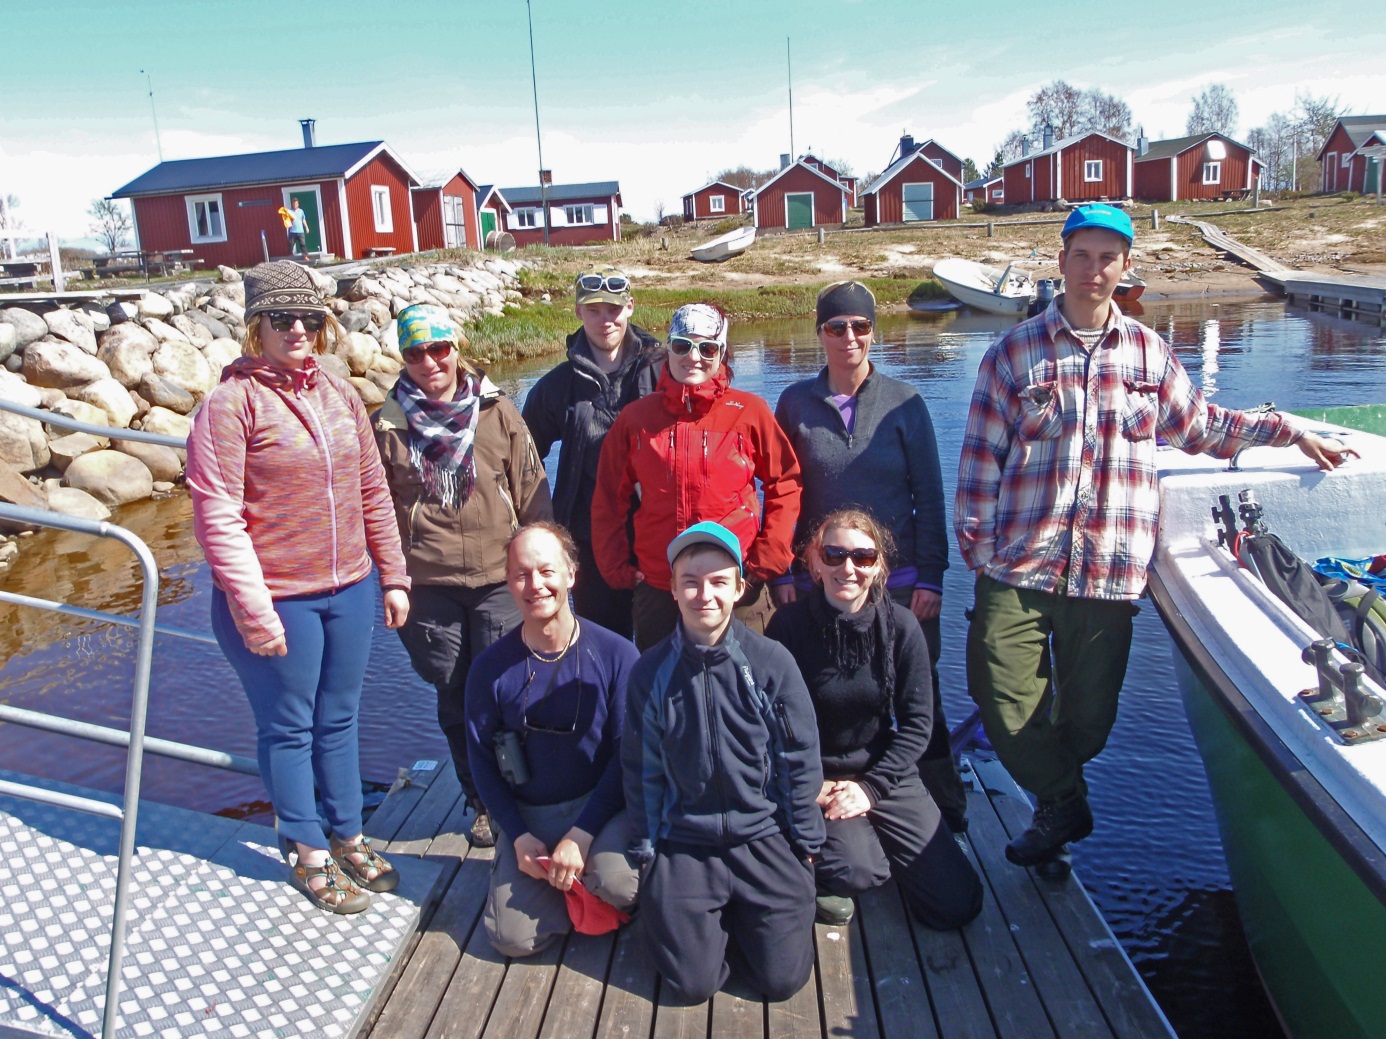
1104	218
707	533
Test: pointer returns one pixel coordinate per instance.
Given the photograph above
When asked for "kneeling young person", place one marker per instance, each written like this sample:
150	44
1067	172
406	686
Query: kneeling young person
545	708
866	663
722	770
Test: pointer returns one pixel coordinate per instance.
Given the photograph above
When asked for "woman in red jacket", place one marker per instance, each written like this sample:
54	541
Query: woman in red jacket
693	450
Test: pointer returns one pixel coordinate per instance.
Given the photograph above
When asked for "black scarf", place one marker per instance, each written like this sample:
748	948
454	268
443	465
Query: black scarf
861	639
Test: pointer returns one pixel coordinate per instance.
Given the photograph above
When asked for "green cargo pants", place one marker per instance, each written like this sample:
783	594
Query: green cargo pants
1045	670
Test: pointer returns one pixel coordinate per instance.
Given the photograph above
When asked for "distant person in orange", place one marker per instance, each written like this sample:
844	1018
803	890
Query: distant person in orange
298	230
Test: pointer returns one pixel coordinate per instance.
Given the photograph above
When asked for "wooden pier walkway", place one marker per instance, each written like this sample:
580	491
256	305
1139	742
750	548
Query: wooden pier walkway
1039	963
1242	253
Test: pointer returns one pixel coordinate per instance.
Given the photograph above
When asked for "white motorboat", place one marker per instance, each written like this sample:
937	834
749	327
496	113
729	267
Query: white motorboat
734	243
1293	747
1008	292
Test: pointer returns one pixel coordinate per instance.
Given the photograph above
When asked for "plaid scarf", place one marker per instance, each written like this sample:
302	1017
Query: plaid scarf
441	436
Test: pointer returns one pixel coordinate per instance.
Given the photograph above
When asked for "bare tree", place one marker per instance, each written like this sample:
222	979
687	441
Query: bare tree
1214	111
1105	113
1055	105
1314	118
744	177
1009	148
843	167
9	221
110	222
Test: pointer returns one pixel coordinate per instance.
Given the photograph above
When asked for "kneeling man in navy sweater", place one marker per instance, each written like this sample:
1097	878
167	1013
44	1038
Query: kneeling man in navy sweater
721	763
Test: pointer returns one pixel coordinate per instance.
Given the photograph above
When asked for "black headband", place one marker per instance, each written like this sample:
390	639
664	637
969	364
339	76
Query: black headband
845	297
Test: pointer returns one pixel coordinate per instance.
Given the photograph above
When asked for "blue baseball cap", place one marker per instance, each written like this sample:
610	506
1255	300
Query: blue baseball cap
1104	218
707	533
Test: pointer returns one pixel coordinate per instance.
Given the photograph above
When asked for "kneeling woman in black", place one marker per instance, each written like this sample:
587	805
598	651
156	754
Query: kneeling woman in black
866	665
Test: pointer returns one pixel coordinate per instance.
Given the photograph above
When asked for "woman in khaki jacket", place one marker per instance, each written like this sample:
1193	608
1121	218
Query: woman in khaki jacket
464	476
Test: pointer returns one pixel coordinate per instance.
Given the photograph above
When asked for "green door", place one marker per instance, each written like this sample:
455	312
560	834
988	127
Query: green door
799	211
308	199
488	224
1373	176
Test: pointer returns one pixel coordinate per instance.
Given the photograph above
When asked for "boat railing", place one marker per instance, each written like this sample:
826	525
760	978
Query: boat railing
133	739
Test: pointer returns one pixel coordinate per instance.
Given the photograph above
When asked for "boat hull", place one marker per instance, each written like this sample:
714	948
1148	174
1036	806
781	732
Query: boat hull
975	285
1315	929
732	244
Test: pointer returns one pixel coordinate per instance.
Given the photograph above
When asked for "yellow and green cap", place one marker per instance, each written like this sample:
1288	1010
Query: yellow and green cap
425	323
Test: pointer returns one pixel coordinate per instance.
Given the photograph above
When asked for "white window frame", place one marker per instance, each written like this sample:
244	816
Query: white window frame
381	212
1347	159
998	192
1027	170
1092	171
717	203
526	217
1212	173
578	215
193	201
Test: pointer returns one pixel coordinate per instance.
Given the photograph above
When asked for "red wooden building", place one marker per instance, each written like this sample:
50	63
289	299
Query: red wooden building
991	190
1345	167
713	202
1086	167
800	196
445	212
1203	166
849	184
576	213
913	188
356	197
491	208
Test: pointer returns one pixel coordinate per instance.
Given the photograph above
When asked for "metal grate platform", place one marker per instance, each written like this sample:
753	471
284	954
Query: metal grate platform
218	943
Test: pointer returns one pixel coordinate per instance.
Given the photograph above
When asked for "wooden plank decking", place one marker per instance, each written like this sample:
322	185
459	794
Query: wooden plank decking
1039	963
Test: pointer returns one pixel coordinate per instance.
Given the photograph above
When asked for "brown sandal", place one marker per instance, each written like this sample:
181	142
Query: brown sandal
374	873
337	895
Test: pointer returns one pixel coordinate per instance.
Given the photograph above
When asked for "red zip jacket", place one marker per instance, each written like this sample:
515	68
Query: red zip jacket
695	454
289	496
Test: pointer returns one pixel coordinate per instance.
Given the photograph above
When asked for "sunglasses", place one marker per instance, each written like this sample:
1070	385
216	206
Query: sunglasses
709	349
283	320
415	354
838	329
836	555
603	282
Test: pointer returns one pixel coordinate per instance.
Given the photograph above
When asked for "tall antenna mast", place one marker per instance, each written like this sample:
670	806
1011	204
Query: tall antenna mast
789	67
158	141
539	141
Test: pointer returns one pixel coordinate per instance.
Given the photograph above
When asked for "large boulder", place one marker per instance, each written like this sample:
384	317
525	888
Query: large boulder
9	341
128	351
73	502
162	462
165	393
96	314
18	491
369	392
65	324
385	380
217	328
164	332
228	274
358	350
326	284
170	423
355	319
28	326
192	331
112	398
219	353
181	363
111	477
153	305
65	450
335	365
12	387
79	410
52	362
23	443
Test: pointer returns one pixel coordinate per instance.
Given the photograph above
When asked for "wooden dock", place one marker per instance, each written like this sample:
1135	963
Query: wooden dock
1220	239
1355	295
1039	963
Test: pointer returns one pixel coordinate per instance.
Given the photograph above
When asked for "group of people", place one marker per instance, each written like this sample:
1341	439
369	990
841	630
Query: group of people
699	682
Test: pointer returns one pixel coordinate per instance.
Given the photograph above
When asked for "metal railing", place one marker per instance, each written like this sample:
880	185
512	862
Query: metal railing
134	739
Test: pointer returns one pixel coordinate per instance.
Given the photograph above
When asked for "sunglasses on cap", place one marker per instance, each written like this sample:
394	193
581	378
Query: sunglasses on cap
708	349
283	320
603	283
838	329
836	555
415	354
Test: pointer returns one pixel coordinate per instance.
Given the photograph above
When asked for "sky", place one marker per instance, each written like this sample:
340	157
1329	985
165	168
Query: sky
657	95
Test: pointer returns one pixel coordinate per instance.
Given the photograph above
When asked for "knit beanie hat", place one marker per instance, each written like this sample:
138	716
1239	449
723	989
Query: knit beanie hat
843	298
277	285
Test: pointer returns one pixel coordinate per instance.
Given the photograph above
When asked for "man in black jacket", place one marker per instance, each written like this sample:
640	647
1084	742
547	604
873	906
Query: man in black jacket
722	772
610	363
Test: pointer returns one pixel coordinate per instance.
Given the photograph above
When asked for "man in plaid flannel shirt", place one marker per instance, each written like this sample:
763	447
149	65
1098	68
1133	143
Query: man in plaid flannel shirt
1056	509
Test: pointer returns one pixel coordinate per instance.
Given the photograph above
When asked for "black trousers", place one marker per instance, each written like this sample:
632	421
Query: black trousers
703	909
903	836
596	600
448	627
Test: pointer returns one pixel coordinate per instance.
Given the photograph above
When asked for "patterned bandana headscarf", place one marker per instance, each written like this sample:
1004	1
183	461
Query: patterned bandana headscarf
442	433
699	319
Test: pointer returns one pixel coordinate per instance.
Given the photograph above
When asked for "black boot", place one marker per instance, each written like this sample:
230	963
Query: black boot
1056	822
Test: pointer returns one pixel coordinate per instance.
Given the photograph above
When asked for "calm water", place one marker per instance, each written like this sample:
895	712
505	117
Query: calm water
1154	863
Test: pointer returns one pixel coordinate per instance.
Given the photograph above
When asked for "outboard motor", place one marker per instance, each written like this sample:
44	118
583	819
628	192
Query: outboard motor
1045	291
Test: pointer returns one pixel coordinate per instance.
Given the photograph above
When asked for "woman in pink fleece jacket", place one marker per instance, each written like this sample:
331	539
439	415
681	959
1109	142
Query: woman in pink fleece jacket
291	508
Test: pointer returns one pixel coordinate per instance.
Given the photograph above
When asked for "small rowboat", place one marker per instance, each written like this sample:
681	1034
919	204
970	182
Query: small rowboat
1007	292
731	244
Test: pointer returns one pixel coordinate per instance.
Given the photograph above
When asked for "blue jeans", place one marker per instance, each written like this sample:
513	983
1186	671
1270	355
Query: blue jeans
305	706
